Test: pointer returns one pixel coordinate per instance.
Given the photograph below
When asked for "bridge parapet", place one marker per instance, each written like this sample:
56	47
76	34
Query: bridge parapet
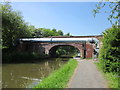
92	36
44	45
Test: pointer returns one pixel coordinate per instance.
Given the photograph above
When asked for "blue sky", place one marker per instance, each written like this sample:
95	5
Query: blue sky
73	17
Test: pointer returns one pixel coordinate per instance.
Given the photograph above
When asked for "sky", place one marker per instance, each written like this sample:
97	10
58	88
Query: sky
75	18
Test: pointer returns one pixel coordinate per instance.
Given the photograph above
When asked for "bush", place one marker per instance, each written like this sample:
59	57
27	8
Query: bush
14	56
110	51
112	78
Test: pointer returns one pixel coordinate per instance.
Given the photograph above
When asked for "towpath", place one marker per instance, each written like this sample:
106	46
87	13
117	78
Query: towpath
87	76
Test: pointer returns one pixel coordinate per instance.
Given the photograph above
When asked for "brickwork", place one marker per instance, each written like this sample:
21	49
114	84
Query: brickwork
89	51
86	49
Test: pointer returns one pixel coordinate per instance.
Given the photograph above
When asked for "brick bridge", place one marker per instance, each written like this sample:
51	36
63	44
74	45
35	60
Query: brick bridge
85	44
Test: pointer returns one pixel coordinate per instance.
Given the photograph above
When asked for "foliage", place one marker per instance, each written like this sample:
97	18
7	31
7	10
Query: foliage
112	78
60	77
67	50
68	34
18	57
60	33
110	51
114	10
13	26
47	32
43	32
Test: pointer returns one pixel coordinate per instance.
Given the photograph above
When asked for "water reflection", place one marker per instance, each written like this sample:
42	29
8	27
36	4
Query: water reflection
28	74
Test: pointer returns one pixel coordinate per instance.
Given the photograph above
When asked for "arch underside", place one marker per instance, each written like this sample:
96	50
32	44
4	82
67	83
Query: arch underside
86	49
53	48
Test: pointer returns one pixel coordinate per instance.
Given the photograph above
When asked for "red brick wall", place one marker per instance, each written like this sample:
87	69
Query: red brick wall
45	47
89	50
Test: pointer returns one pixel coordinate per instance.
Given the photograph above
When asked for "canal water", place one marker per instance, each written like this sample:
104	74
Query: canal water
27	75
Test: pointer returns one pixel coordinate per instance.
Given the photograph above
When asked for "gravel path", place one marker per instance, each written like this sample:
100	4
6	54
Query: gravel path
87	76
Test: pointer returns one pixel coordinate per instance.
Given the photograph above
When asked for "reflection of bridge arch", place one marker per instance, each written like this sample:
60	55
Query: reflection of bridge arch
52	50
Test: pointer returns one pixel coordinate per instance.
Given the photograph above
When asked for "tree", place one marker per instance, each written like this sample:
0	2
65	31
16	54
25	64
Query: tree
13	26
68	34
60	33
109	53
114	12
47	32
54	30
37	33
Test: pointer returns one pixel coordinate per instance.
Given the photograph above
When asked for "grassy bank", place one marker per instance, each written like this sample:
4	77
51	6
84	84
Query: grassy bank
112	78
60	77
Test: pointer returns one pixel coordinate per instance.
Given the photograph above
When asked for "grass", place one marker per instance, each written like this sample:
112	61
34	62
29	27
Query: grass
60	77
112	78
88	58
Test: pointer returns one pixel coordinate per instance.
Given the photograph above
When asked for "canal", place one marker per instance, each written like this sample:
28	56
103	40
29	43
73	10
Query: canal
27	75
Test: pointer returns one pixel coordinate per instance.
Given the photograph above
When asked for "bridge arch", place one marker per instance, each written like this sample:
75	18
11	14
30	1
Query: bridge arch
52	49
87	45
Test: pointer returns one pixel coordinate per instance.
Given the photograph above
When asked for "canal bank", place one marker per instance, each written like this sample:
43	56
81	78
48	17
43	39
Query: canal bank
60	77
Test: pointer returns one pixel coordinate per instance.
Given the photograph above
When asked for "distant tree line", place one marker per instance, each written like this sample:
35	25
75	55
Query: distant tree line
14	27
